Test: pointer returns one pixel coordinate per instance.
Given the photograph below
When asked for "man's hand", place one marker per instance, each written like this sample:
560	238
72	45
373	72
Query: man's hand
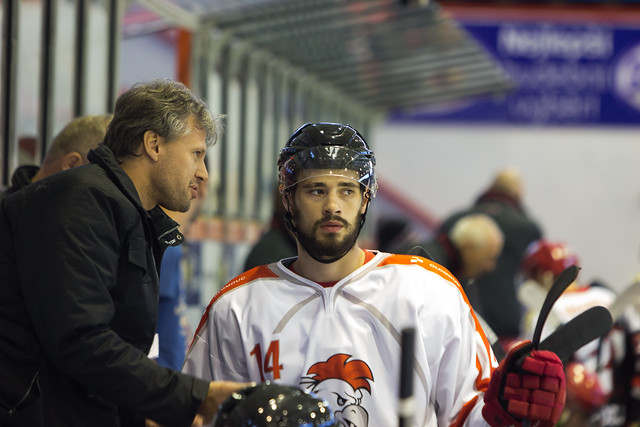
218	391
527	384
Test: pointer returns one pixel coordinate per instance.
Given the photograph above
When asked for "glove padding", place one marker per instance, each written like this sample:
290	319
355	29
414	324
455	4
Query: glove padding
527	384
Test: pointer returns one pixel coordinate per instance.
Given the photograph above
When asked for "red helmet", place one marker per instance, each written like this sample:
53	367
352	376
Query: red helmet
583	387
543	255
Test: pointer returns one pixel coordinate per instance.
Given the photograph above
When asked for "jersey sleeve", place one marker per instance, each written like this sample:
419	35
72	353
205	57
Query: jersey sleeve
464	368
216	349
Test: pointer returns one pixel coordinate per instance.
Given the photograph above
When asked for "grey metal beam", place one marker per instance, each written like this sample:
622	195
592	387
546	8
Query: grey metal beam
10	15
437	96
464	68
47	74
378	69
115	11
177	14
376	52
81	54
336	21
286	14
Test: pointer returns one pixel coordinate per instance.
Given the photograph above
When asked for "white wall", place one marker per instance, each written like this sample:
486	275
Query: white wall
582	184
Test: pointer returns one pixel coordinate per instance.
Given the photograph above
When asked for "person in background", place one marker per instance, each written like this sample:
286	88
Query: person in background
469	250
590	372
79	255
173	326
330	319
392	234
494	295
276	243
67	150
624	402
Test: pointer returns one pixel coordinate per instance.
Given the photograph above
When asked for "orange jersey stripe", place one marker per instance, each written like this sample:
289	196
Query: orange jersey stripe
464	412
246	277
481	383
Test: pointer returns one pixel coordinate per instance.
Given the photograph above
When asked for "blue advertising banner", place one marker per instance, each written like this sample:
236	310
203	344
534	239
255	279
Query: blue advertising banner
575	74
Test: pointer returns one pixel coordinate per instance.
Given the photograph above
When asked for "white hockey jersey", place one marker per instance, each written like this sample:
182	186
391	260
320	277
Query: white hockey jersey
343	342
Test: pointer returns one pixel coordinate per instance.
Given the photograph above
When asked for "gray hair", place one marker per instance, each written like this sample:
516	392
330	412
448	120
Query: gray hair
163	106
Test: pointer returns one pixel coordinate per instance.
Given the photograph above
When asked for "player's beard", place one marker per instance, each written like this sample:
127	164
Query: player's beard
332	247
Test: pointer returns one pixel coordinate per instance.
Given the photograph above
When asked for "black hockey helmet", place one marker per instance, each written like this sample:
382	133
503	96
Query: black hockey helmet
327	146
274	405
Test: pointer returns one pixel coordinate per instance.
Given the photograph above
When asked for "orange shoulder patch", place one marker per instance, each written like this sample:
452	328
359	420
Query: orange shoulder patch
422	262
259	272
255	273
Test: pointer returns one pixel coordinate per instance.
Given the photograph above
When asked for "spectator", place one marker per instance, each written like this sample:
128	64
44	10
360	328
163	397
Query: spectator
496	292
276	243
469	250
68	149
392	234
173	326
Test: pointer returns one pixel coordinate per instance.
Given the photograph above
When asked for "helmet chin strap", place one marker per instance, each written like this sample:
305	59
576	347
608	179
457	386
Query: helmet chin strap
288	220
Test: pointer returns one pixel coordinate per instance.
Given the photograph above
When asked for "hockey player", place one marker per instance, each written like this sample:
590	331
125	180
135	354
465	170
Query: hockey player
329	320
597	377
543	261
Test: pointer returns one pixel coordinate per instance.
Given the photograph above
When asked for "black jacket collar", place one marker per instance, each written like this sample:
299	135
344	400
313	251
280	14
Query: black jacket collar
166	229
500	197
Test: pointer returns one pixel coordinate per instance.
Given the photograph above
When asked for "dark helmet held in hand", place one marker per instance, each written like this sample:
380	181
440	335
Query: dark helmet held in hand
274	405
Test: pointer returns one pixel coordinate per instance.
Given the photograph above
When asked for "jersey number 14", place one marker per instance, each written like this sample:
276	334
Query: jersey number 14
271	360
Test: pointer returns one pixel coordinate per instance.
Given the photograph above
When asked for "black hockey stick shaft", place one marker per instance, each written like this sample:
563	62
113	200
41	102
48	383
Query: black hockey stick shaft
564	279
496	346
406	404
562	282
587	326
567	339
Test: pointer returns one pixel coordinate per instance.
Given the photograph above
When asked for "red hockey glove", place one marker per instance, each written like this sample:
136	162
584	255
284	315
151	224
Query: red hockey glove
527	384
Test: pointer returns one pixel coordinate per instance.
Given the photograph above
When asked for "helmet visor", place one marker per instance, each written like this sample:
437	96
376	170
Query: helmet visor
329	160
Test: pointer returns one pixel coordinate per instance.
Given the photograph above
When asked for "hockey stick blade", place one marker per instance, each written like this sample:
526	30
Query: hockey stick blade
532	295
581	330
564	279
420	251
406	403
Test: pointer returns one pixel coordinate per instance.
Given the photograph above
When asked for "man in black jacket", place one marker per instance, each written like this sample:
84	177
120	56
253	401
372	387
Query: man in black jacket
493	295
79	255
469	250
